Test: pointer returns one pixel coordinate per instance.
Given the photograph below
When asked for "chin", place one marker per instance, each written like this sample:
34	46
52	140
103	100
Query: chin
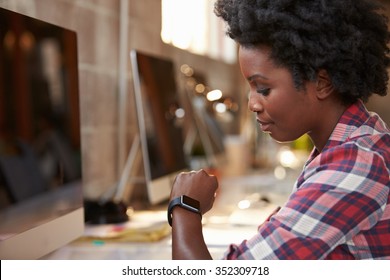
282	138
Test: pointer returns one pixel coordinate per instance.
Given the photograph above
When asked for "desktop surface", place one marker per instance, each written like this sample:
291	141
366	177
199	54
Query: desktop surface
225	224
41	224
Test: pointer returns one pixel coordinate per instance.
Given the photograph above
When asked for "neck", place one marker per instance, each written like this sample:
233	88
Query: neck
321	134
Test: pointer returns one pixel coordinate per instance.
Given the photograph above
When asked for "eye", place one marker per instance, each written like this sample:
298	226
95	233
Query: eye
264	91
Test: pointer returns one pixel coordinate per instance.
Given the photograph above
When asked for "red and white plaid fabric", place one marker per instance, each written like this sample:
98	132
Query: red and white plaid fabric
339	208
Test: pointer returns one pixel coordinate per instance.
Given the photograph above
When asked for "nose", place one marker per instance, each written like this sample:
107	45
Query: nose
254	102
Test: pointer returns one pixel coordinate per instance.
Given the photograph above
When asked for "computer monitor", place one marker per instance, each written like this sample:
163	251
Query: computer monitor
41	205
160	120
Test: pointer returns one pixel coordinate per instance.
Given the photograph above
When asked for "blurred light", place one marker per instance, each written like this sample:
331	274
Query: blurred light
27	41
193	26
200	88
214	95
220	108
187	70
191	83
180	113
9	40
184	23
280	172
234	107
287	158
230	104
130	211
244	204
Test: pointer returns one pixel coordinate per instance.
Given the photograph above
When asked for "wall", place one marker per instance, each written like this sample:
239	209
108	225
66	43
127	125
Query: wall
377	103
97	23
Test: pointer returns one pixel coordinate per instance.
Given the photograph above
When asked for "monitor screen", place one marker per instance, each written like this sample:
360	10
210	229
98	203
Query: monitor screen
40	147
160	119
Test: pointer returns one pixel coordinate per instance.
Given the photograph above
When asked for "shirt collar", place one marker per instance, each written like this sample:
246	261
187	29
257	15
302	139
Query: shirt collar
352	118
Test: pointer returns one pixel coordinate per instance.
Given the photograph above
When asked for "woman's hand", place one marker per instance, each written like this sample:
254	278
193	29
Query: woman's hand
198	185
187	236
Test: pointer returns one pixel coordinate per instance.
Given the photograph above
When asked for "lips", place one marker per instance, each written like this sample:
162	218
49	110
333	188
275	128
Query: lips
265	125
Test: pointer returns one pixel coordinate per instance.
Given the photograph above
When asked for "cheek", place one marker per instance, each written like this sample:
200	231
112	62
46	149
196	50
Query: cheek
290	120
279	107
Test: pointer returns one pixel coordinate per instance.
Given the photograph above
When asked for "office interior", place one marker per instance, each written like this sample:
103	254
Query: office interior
255	173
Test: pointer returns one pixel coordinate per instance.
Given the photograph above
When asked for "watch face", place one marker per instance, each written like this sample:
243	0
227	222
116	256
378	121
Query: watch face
190	202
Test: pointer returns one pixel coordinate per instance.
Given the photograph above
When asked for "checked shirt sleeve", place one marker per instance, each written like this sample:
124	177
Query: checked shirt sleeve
341	194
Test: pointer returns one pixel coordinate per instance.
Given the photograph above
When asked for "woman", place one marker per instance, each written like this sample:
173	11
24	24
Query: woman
310	66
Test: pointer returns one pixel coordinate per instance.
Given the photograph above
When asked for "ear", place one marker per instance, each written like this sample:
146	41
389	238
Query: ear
324	85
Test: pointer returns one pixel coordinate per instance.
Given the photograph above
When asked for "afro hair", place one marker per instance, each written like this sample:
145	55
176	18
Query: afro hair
346	38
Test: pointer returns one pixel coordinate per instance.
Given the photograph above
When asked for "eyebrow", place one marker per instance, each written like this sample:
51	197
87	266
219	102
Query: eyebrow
255	76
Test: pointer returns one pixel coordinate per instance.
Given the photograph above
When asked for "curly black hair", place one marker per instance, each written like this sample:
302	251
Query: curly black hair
347	38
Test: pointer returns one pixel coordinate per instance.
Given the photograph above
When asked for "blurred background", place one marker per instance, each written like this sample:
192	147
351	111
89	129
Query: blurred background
185	31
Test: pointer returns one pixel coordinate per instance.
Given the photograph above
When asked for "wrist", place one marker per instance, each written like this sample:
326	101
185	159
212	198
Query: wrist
185	203
181	216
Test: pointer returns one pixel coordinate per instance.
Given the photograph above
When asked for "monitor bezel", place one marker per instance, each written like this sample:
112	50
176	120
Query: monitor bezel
32	228
158	189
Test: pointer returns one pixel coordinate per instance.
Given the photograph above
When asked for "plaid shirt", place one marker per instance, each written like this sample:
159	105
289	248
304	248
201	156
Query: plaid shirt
339	208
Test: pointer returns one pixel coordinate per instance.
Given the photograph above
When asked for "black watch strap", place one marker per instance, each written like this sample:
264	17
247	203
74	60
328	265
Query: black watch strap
185	202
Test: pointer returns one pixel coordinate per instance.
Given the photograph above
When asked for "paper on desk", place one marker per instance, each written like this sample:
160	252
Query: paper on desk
142	227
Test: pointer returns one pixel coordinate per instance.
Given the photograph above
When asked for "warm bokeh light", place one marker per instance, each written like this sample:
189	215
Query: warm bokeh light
214	95
200	88
287	158
192	25
181	28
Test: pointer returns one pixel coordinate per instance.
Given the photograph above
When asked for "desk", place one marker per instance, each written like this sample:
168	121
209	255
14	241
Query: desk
217	235
219	231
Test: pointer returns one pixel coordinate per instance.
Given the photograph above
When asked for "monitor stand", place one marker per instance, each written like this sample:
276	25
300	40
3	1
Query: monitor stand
110	208
110	212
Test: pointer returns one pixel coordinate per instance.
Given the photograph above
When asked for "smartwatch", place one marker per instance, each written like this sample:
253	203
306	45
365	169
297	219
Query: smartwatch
185	202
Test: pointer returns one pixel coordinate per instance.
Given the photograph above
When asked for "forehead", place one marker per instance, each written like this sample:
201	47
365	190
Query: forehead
255	59
254	50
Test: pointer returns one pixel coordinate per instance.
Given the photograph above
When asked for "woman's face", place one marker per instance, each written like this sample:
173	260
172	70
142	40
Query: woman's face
281	110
